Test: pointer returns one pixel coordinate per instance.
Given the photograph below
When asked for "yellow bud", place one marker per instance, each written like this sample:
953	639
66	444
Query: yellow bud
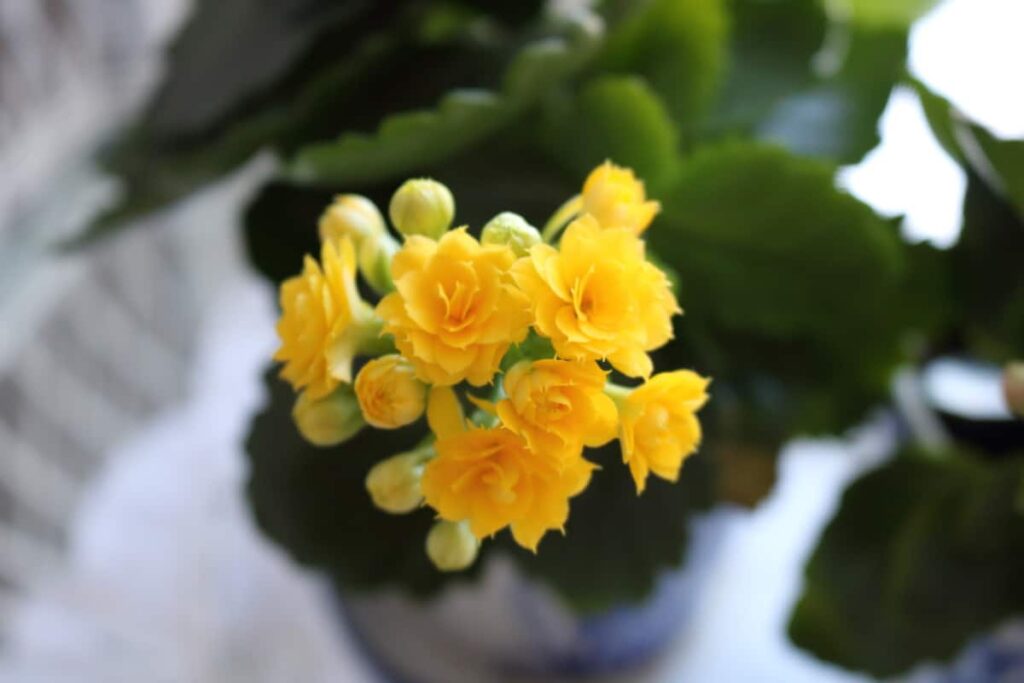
1013	387
330	420
394	484
389	393
451	546
375	262
511	229
354	216
422	206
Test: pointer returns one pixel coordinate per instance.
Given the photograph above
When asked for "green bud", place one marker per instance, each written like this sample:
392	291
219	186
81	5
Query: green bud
330	420
451	546
354	216
511	229
374	256
1013	387
422	206
394	484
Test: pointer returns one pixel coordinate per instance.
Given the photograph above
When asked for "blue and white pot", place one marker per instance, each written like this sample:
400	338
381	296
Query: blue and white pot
507	627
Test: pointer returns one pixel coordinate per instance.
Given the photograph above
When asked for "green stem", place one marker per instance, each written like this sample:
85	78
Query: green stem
562	216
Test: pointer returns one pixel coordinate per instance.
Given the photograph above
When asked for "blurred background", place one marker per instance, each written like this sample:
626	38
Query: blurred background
129	370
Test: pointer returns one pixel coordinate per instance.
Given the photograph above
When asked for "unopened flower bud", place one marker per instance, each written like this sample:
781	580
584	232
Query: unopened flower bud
422	206
389	393
451	546
511	229
354	216
330	420
1013	387
394	484
374	257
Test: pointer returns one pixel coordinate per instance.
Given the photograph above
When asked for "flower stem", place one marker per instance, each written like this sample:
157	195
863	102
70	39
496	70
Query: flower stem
562	216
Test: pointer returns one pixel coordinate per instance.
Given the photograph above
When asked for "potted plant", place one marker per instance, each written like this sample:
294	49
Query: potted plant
799	300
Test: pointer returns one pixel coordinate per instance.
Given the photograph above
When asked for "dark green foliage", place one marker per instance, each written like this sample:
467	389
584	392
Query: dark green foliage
924	553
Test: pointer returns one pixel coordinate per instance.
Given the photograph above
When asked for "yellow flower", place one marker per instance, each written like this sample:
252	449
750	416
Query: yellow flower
456	309
616	198
491	479
659	426
597	297
323	322
558	406
394	483
389	394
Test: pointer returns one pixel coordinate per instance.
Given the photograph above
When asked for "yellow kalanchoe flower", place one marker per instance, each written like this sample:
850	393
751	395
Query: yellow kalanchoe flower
616	199
597	297
323	321
491	479
558	406
456	309
389	393
659	426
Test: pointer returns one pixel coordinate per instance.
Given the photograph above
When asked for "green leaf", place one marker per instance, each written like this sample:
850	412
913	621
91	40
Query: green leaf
616	543
886	13
837	116
772	46
618	118
923	554
331	84
987	269
999	162
409	141
312	502
680	48
782	282
773	244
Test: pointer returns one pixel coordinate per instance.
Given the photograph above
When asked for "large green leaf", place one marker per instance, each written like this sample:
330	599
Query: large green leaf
679	47
409	141
312	502
923	554
619	118
764	241
788	284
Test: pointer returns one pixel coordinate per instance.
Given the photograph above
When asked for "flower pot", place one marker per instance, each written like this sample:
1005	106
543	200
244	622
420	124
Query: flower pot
508	627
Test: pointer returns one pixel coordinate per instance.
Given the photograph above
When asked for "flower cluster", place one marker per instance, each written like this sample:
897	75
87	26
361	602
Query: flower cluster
534	320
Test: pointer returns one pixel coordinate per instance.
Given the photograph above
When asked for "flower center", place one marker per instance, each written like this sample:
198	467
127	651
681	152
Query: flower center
458	304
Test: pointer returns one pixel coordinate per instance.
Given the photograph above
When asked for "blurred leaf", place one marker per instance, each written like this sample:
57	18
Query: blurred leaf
923	555
230	50
618	118
617	544
407	142
999	162
680	48
886	13
312	502
989	273
772	45
779	246
331	84
782	275
837	116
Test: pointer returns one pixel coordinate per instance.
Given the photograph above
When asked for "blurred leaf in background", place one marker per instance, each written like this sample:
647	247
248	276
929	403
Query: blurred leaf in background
924	553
